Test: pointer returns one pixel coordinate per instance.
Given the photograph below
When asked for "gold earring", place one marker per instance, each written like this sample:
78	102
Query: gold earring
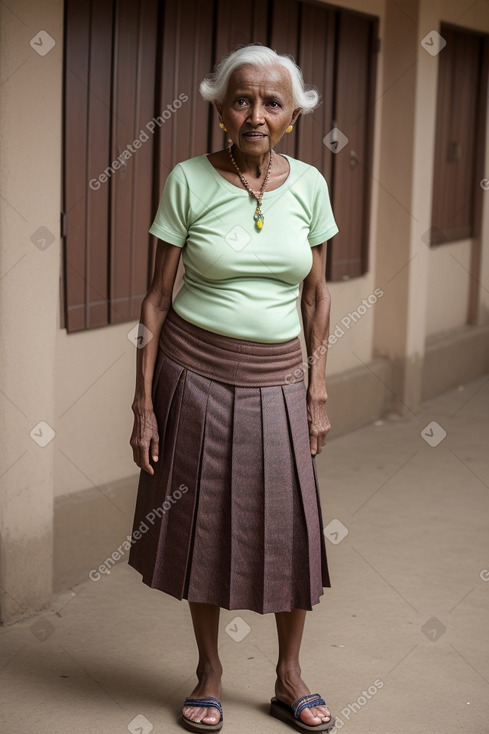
223	127
289	129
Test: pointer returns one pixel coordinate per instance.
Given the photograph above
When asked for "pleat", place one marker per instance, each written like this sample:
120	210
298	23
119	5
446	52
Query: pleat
325	580
247	502
296	409
178	539
278	509
300	596
209	577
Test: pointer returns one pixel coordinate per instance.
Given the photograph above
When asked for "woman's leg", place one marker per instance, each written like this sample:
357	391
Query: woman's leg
289	685
205	620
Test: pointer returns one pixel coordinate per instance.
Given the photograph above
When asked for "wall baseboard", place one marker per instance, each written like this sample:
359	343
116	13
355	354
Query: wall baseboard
358	396
454	358
88	527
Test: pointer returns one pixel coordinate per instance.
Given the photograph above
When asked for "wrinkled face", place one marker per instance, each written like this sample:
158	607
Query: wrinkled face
258	107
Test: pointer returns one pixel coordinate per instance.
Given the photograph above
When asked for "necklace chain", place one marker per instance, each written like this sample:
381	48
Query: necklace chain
258	216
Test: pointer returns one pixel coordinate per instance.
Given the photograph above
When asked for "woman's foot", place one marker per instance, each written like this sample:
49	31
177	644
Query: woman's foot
289	687
209	685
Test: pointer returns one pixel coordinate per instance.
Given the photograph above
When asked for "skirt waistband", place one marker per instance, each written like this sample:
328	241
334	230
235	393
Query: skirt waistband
238	362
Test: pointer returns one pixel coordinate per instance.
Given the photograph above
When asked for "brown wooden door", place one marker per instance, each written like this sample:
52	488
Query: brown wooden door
351	165
86	146
460	93
110	64
336	51
131	186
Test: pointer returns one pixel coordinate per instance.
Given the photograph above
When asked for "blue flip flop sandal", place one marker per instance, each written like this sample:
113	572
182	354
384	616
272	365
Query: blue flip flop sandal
207	702
290	714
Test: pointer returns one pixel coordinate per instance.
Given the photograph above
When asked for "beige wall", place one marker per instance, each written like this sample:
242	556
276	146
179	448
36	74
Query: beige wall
94	373
30	153
82	384
448	287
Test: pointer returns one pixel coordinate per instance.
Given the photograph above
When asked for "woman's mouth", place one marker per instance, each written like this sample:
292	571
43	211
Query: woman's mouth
254	136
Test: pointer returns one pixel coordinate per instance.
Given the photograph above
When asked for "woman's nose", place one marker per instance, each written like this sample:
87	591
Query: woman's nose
256	115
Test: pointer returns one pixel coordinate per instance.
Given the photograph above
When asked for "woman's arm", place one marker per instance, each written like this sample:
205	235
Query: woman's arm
154	309
315	308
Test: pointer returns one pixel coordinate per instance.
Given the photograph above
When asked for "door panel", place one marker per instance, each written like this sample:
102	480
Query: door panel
351	164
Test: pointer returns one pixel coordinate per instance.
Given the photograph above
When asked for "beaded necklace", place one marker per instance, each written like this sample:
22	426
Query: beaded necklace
258	216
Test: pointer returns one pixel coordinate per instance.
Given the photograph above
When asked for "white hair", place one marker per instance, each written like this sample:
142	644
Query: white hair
214	86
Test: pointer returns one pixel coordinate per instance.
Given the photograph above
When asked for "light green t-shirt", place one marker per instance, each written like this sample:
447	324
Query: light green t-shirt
239	281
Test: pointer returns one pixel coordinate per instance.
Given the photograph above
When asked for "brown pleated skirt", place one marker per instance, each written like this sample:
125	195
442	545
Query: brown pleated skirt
232	514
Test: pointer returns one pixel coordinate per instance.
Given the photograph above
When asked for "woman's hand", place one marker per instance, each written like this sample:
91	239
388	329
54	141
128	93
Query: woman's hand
145	437
154	309
319	424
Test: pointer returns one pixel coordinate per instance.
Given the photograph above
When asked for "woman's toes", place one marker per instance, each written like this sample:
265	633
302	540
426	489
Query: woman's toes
193	713
212	717
198	714
310	717
315	716
323	712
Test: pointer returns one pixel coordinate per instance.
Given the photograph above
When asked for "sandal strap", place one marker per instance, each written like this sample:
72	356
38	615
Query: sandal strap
207	702
306	702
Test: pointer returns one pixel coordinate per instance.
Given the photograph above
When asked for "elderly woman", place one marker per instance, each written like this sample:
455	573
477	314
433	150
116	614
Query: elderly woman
225	433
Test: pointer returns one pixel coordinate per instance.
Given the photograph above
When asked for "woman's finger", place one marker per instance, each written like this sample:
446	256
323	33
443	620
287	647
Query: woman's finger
155	447
314	444
144	460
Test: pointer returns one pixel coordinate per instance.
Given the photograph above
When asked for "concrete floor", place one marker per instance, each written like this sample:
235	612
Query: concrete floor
400	643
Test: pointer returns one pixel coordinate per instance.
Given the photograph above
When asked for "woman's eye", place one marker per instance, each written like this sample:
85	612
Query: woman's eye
241	102
273	103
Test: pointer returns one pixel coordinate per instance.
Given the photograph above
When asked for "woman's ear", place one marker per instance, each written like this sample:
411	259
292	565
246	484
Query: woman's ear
295	115
218	107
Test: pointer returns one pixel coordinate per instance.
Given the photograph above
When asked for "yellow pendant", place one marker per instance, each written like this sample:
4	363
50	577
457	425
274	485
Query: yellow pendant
258	217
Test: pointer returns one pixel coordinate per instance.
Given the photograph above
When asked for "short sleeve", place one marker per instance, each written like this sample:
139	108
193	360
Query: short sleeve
171	221
323	225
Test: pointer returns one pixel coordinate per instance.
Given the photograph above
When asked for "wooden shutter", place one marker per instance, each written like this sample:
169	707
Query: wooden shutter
131	185
109	97
185	57
88	50
351	166
460	93
316	59
132	73
336	51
